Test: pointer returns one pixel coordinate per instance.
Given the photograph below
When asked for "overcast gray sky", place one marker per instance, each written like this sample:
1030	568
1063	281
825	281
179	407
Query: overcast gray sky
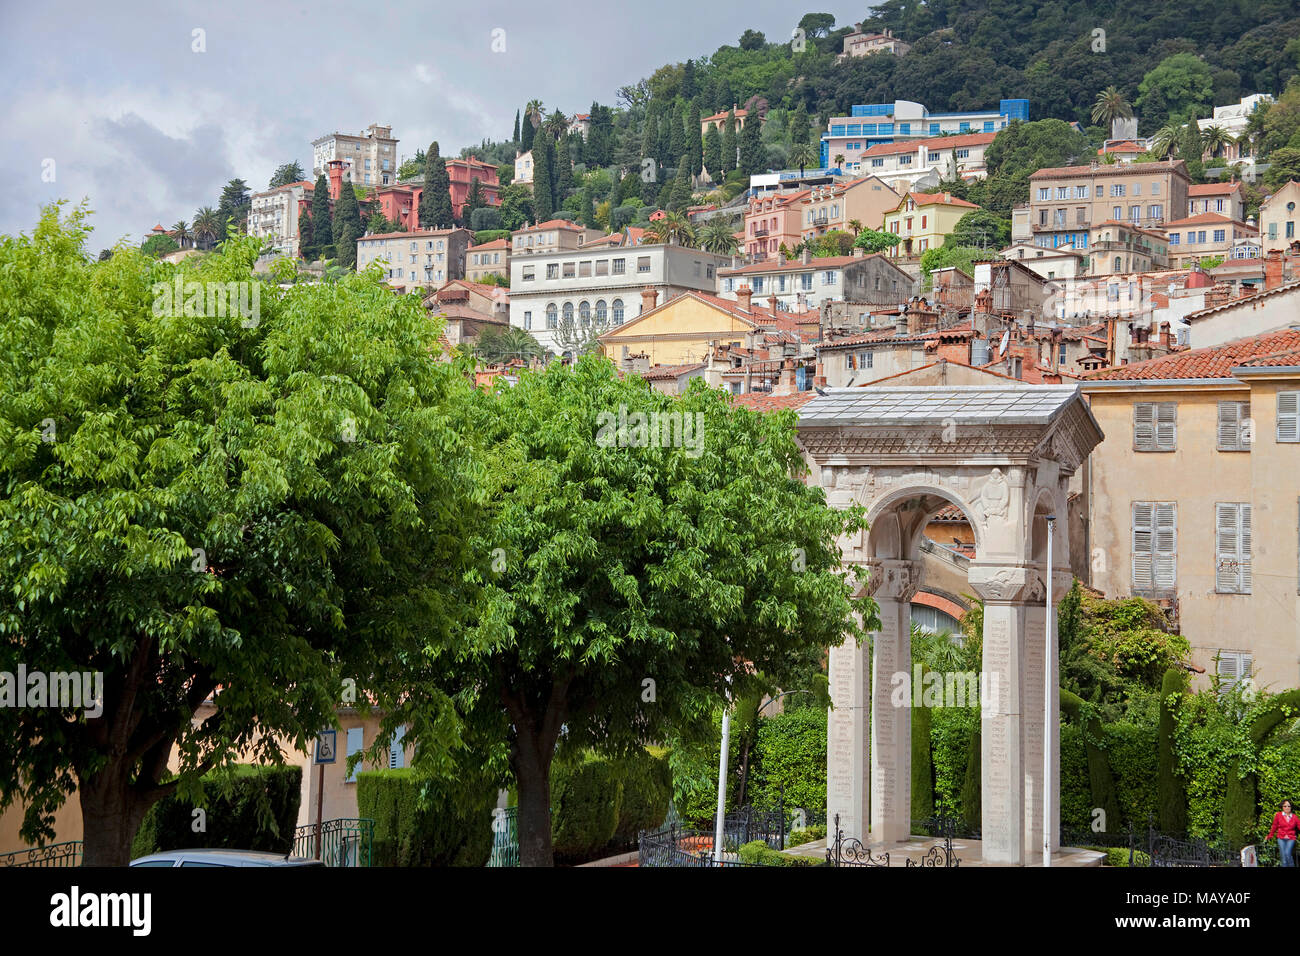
149	129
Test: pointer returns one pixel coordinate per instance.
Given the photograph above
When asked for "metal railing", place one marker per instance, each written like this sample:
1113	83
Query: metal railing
341	842
56	854
505	838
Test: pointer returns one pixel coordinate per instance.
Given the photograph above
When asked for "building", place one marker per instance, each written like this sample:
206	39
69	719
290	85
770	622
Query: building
1232	119
590	291
1206	235
554	235
488	258
1060	263
1275	307
805	283
400	203
923	221
524	169
1226	199
858	43
1118	248
369	159
273	215
901	165
826	208
1065	202
1278	218
423	259
1122	151
581	123
462	173
1218	548
873	124
720	120
468	308
680	333
772	221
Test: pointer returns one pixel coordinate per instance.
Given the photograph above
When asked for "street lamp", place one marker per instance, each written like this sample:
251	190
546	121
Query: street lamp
1047	701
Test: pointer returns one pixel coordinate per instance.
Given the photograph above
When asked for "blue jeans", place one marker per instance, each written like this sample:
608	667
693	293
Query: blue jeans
1284	848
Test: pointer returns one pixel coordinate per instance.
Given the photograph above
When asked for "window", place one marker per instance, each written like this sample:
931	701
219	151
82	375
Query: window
1155	426
877	162
806	282
552	316
396	752
1155	546
601	314
1117	213
1135	213
567	311
570	270
1062	192
602	267
356	743
1155	212
1200	236
529	274
1155	189
963	153
866	359
1044	193
1232	547
1218	205
1232	667
1288	416
643	264
1080	192
620	267
552	270
828	278
756	284
584	269
1232	422
905	160
617	311
1117	189
584	313
528	321
1174	239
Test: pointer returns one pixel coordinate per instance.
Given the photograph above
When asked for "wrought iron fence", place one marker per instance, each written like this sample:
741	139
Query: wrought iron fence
505	838
56	854
341	842
676	846
850	851
747	825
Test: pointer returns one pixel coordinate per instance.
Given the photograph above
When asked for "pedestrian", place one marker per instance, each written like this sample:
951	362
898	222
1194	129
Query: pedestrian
1285	824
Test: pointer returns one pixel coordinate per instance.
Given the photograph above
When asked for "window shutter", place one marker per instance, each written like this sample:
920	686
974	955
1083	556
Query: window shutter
1227	536
1230	419
1243	549
1288	416
356	743
396	755
1165	566
1228	668
1144	426
1166	426
1143	544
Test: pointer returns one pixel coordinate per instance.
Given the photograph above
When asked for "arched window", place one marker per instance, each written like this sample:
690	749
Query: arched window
584	313
617	317
600	312
552	320
568	312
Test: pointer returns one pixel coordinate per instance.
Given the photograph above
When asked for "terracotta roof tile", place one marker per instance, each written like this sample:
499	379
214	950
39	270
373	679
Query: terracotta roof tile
663	372
1213	362
1213	189
933	142
767	402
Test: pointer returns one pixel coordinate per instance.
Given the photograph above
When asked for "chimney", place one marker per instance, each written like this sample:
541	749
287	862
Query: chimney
902	322
786	383
336	178
801	303
806	256
984	301
649	296
1273	269
857	252
742	297
771	304
1166	337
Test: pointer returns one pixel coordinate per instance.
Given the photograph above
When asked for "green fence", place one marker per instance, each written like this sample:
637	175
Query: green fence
341	842
505	838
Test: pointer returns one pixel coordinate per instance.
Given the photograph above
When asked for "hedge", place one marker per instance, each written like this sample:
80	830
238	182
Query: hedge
1171	795
790	753
586	797
246	807
420	823
760	854
647	791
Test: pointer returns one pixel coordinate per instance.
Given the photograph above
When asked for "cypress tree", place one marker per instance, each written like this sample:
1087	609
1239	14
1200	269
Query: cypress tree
345	246
729	143
473	201
347	216
752	154
1171	797
305	247
322	236
800	127
922	764
515	138
694	140
588	213
676	131
688	79
681	194
543	178
713	151
971	788
663	142
435	200
649	134
526	134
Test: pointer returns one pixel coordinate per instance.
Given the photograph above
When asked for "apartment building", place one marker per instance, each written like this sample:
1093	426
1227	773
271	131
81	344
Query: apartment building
273	215
1218	548
923	221
524	168
834	206
422	259
1232	119
601	288
873	124
462	173
1060	263
805	283
486	259
1206	235
900	165
773	220
1118	248
554	235
370	159
1227	199
1278	219
1065	202
858	44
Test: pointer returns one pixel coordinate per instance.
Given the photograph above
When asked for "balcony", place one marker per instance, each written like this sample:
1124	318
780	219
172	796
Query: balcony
760	233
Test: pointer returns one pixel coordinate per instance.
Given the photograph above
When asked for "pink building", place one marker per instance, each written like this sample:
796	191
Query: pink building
462	172
772	220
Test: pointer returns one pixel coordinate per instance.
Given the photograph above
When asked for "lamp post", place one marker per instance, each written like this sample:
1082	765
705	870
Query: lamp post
722	784
1050	630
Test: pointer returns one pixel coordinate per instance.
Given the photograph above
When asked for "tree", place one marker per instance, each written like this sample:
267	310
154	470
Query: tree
410	168
496	345
286	174
981	229
753	158
839	160
587	214
718	235
713	152
802	155
800	125
947	255
855	226
574	340
229	539
672	229
1285	166
346	227
516	206
817	24
681	194
873	240
205	227
515	137
1165	140
435	198
159	245
729	145
1109	106
181	230
694	140
543	177
1181	86
234	204
321	219
1190	149
556	124
752	40
306	248
591	612
473	201
1216	139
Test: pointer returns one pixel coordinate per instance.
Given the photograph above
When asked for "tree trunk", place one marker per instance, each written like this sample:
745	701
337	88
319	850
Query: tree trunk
111	812
533	775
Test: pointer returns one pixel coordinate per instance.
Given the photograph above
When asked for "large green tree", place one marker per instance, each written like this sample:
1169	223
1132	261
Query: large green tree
753	155
346	227
234	205
1180	87
729	143
435	196
322	231
247	505
286	174
639	579
543	176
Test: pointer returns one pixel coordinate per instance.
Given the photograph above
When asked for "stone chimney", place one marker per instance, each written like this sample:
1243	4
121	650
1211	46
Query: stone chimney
801	303
984	301
649	296
771	304
902	322
857	252
806	256
742	297
336	178
1273	269
1166	336
786	384
641	363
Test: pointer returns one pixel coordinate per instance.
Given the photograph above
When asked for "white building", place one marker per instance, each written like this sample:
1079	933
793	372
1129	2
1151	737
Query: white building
273	215
1062	262
901	165
1232	119
371	157
523	168
411	260
601	288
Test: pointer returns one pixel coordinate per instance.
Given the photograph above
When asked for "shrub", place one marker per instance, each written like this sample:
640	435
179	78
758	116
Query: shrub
622	216
421	823
799	837
791	752
950	732
246	807
490	235
486	217
922	767
586	795
1118	856
1134	763
759	853
647	791
970	789
1171	797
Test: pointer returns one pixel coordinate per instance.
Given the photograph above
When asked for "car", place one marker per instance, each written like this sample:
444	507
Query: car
218	857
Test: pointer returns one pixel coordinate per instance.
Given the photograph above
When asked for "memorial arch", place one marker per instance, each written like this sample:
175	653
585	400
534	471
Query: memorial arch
1004	456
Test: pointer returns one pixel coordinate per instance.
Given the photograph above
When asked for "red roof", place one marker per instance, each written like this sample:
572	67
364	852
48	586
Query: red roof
767	402
1129	169
933	142
723	115
1213	362
662	372
552	224
776	265
942	199
1127	146
1206	219
494	244
420	234
1213	189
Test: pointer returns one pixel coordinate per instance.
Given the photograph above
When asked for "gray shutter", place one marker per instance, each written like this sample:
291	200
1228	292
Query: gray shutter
1243	549
1165	566
1143	544
1227	536
1144	426
356	743
1288	416
1228	668
1230	426
1166	426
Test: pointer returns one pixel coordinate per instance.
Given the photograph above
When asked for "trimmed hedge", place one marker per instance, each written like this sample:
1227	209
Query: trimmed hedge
759	853
1171	796
418	823
647	791
790	752
247	807
586	797
799	837
922	767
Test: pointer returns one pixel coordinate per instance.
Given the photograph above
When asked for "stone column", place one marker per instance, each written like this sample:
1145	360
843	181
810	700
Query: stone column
1035	611
847	751
892	583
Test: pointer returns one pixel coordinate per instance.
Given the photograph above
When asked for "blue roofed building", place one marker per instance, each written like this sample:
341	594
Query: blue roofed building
873	124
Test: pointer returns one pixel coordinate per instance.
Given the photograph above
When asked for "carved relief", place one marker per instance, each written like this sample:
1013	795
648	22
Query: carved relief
995	496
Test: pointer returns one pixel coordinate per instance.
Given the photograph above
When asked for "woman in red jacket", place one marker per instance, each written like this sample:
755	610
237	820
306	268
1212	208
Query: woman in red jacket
1285	825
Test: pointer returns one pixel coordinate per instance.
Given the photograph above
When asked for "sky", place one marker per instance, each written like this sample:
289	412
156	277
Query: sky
148	110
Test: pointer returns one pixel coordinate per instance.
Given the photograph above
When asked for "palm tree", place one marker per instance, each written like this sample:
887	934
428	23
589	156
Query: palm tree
556	124
206	225
803	156
1166	138
718	235
839	159
182	230
1245	144
533	112
673	229
856	226
500	345
1215	139
1109	106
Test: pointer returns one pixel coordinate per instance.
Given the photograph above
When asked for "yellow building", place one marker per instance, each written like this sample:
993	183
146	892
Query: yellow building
1194	499
923	220
680	331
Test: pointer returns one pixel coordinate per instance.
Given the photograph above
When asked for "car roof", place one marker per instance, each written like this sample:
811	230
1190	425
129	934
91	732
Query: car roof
228	857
